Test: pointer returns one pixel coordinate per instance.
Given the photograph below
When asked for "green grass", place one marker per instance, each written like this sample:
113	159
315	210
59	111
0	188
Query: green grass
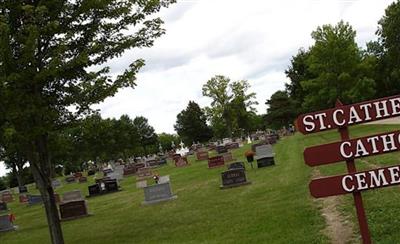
275	208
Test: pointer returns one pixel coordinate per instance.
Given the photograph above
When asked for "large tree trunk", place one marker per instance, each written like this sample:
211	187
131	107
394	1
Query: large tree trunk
17	174
41	170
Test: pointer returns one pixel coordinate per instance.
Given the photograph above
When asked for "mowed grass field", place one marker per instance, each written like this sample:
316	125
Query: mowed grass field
275	208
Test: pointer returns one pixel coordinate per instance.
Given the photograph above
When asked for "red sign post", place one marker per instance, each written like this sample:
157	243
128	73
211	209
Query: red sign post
348	149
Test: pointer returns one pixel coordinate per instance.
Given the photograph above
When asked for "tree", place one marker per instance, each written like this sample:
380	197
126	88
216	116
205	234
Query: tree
281	111
230	105
147	136
46	49
165	140
191	125
297	72
388	51
335	62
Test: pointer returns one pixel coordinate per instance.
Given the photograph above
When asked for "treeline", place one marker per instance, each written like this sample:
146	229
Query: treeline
90	139
335	67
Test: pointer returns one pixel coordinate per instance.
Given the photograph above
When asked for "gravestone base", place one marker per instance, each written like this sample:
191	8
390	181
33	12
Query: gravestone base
265	162
159	200
102	193
234	185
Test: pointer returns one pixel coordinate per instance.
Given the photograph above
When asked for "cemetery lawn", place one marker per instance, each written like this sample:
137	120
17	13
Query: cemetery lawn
275	208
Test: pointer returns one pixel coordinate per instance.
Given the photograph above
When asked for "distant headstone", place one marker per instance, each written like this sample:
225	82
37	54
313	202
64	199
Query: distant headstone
6	224
78	175
34	199
3	206
70	179
162	161
111	185
7	196
233	178
232	145
23	198
236	165
144	173
22	189
216	161
181	162
56	183
221	149
73	210
72	196
129	170
158	193
94	190
141	184
82	179
107	171
91	172
202	155
227	157
264	156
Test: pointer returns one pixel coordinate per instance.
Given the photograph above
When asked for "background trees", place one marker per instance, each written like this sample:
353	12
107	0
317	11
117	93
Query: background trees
230	106
191	125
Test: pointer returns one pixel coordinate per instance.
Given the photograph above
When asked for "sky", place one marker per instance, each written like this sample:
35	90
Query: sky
252	40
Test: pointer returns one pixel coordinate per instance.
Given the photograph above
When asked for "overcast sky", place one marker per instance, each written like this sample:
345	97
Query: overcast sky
252	39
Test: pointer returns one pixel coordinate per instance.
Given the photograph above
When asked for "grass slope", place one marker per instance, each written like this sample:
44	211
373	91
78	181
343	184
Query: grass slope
275	208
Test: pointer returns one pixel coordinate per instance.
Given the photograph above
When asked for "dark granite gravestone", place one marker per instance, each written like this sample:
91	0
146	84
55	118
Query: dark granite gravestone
102	180
6	224
221	149
216	161
70	179
82	179
236	165
94	190
233	178
264	156
176	156
181	162
91	172
22	189
34	199
152	163
3	206
202	155
6	196
140	165
111	185
158	193
73	210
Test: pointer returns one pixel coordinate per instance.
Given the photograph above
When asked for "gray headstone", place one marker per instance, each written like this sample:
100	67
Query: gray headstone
141	184
72	196
158	193
264	151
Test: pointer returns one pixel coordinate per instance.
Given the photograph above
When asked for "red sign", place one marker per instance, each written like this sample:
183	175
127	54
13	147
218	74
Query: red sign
343	116
356	182
351	149
216	162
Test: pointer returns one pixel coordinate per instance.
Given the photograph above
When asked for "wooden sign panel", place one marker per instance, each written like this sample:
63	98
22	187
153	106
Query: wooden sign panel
343	116
356	182
351	149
